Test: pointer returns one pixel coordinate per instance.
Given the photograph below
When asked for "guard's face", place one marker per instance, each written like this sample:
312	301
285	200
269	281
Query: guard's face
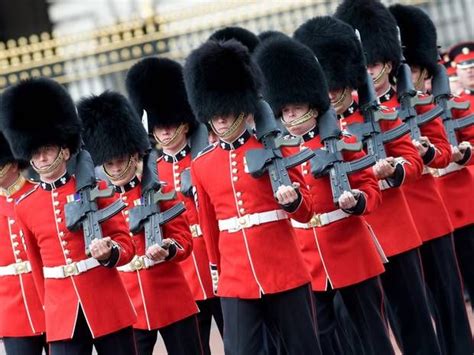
45	158
379	72
341	99
466	77
170	138
292	112
222	124
121	170
418	76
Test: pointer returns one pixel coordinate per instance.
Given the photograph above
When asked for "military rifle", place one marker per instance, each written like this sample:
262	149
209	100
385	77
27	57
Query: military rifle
330	161
270	158
443	98
84	211
148	215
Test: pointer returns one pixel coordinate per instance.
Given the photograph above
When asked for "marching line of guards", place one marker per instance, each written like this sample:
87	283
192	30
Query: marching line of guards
282	272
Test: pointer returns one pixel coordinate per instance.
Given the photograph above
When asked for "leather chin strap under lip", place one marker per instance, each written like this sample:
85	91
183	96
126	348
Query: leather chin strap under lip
231	129
52	167
170	141
381	74
341	98
304	118
122	174
5	169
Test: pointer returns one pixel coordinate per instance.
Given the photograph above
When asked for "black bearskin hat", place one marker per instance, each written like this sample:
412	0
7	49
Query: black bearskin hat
338	49
39	112
377	27
292	74
221	79
263	36
111	127
240	34
156	85
418	35
6	155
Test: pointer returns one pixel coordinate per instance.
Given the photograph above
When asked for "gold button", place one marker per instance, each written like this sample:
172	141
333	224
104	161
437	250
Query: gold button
124	198
59	220
233	155
305	172
9	199
234	163
17	252
240	202
235	178
56	203
11	221
127	219
130	234
19	260
55	194
242	221
69	261
67	252
242	210
125	212
15	244
175	167
176	174
234	171
177	188
61	234
126	203
64	243
57	211
13	236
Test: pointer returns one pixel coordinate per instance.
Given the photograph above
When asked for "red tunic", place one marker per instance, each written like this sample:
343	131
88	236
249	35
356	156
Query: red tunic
261	259
196	267
424	199
392	221
342	253
21	312
160	293
457	188
99	291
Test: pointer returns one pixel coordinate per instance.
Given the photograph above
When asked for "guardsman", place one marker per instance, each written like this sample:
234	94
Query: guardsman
462	55
438	256
392	222
117	140
251	245
22	326
337	245
84	299
156	86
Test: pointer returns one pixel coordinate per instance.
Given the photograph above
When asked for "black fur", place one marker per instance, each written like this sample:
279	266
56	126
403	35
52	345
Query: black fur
418	35
111	127
221	79
292	74
377	27
263	36
339	51
156	85
244	36
39	112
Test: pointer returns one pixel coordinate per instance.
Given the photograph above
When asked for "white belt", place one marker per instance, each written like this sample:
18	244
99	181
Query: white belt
73	269
321	219
235	224
449	169
196	230
22	267
138	263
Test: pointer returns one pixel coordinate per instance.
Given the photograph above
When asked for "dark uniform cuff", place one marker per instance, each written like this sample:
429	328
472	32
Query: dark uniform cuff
359	208
429	155
465	158
293	206
113	259
172	250
398	176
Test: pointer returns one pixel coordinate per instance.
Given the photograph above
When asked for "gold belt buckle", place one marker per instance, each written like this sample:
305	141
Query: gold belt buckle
137	263
70	270
21	268
244	221
315	221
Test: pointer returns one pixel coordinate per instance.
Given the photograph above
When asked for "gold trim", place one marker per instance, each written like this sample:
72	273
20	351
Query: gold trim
54	165
176	134
231	129
304	118
13	188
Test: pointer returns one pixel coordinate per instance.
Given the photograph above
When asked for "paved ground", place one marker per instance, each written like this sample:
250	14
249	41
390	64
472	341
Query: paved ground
216	342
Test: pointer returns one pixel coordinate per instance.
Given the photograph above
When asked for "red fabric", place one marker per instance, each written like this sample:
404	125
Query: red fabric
160	294
456	188
342	253
21	312
260	259
392	222
196	267
423	197
100	291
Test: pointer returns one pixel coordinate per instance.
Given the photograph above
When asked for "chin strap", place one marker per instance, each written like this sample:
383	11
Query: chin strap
232	128
306	117
420	82
5	169
381	74
170	141
341	98
122	174
52	167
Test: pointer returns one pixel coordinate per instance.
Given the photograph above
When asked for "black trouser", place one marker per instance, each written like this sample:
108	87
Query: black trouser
120	342
445	289
364	303
464	244
207	309
289	316
180	338
407	303
33	345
